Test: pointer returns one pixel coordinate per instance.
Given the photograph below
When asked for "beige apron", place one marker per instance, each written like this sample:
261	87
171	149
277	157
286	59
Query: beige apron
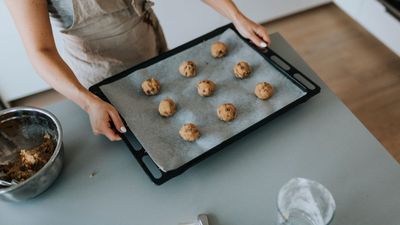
109	36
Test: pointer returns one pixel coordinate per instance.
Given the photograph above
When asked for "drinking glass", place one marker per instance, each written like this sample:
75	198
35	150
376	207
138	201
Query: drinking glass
305	202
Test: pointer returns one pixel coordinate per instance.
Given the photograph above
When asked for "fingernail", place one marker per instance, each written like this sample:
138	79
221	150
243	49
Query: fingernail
123	129
263	45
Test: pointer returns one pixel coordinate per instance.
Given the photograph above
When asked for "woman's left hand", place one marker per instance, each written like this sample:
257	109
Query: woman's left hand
257	33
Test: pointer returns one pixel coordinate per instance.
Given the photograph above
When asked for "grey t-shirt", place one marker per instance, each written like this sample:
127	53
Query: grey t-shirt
61	11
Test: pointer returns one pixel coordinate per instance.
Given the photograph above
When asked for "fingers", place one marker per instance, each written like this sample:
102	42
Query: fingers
106	130
257	40
103	117
110	134
263	33
259	36
257	33
116	119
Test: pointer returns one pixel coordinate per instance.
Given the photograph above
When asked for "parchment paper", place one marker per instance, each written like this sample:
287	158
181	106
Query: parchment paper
159	136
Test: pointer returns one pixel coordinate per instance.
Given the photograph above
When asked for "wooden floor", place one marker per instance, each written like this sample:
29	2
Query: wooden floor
363	72
356	66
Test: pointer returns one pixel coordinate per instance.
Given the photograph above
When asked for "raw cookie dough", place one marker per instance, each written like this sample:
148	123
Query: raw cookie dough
29	161
189	132
226	112
151	86
206	88
264	90
188	69
242	70
167	107
219	49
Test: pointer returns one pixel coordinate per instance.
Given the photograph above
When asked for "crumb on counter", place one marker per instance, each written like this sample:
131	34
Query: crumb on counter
92	174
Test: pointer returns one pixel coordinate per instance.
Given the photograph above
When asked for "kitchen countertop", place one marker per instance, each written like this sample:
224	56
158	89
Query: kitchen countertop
320	140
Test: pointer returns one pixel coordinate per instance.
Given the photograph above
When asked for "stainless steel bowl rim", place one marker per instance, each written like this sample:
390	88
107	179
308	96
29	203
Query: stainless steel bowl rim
56	151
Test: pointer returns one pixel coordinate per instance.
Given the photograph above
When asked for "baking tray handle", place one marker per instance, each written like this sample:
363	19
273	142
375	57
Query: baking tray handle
290	71
144	160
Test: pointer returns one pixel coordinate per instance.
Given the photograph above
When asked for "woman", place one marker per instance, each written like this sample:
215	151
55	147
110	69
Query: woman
101	38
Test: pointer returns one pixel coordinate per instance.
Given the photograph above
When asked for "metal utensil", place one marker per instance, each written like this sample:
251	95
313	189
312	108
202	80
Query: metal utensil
203	219
6	142
4	183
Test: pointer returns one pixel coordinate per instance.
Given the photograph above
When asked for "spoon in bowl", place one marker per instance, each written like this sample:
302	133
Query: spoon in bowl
4	183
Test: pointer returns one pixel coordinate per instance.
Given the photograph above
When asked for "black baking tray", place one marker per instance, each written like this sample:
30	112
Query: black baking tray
158	176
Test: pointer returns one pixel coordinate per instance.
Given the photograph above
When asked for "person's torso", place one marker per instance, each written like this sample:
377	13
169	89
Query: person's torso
62	11
105	37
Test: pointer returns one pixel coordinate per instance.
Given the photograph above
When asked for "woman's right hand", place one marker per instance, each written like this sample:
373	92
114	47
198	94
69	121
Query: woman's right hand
102	118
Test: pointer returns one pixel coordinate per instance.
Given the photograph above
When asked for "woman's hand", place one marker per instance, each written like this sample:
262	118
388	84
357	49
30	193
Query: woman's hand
102	118
257	33
246	27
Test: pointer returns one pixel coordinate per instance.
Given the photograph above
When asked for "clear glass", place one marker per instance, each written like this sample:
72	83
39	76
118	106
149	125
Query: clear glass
305	202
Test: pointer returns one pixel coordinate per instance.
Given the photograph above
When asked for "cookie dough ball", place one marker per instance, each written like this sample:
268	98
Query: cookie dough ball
188	69
219	49
189	132
227	112
151	86
242	70
29	158
206	88
167	107
264	90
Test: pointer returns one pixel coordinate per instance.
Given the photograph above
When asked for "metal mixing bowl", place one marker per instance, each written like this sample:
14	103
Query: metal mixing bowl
24	128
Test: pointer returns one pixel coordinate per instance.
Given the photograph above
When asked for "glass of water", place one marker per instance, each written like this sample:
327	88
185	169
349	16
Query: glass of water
305	202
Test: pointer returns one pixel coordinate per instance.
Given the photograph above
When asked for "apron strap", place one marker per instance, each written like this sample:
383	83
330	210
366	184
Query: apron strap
141	7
